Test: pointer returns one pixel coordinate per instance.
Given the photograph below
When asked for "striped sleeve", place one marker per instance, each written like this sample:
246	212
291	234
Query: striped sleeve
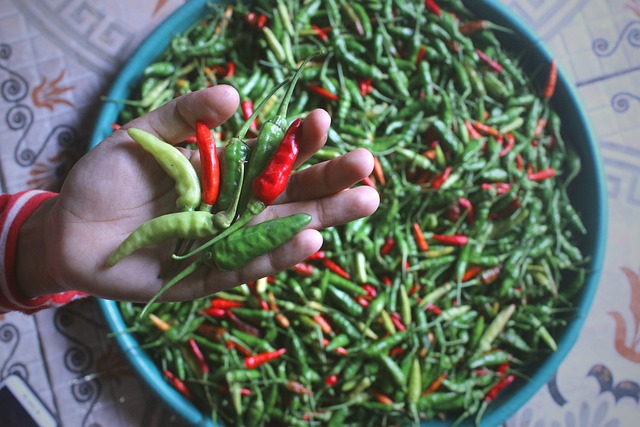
14	211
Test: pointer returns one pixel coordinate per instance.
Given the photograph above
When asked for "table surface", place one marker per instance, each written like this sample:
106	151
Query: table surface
60	56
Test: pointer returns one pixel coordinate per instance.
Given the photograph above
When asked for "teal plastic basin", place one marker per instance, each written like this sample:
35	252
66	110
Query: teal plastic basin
591	201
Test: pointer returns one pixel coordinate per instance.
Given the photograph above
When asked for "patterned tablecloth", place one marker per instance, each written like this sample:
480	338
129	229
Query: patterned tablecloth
57	57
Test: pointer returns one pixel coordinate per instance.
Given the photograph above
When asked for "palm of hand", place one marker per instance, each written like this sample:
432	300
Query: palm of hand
117	186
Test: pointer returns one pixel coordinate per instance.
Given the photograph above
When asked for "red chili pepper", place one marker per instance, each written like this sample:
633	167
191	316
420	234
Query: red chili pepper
500	187
324	93
435	385
433	7
365	87
510	143
363	301
298	388
304	269
317	255
421	241
369	182
115	126
322	34
231	69
490	62
247	111
335	268
503	368
202	363
381	398
500	385
397	322
273	180
215	312
421	53
396	351
440	179
486	129
471	273
378	171
210	165
257	21
243	390
264	305
252	362
542	174
232	345
178	384
519	162
434	309
342	351
325	327
552	78
388	245
451	239
372	292
224	304
540	127
474	26
467	206
473	133
331	380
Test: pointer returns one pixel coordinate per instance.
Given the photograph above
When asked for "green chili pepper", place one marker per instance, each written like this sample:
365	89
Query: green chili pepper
250	242
175	164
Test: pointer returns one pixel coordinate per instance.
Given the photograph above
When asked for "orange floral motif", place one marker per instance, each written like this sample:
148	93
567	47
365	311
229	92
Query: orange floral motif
50	174
47	94
630	351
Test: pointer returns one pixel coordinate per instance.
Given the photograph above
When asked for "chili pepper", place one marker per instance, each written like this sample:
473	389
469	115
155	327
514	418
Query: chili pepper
175	164
421	241
195	349
271	134
178	384
388	246
498	387
542	174
550	86
187	225
493	65
210	166
433	7
451	239
247	243
253	361
381	398
331	380
472	27
273	180
495	327
335	268
322	92
435	385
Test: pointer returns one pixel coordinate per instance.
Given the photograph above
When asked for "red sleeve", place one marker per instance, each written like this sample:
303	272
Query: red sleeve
14	211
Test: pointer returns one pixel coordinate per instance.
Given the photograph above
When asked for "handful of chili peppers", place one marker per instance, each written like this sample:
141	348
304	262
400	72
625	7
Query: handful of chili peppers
231	242
453	289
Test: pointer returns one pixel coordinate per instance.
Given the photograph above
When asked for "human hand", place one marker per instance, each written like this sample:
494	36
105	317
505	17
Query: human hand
117	186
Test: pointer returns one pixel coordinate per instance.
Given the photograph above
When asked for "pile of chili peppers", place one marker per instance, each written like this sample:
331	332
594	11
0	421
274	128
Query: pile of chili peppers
453	290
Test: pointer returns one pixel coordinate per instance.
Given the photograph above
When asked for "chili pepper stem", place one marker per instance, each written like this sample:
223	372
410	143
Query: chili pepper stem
184	273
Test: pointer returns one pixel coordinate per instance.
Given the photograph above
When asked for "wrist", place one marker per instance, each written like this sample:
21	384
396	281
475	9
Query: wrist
33	255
